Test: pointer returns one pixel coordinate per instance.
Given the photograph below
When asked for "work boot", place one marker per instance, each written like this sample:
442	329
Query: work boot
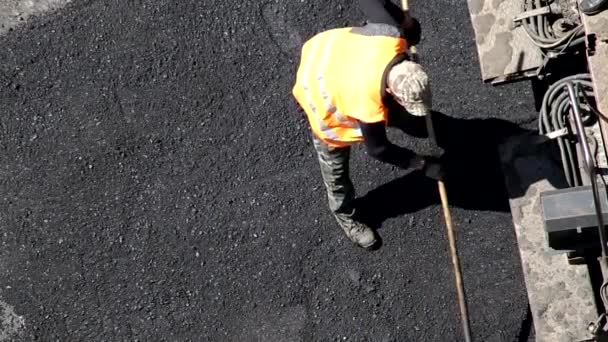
358	232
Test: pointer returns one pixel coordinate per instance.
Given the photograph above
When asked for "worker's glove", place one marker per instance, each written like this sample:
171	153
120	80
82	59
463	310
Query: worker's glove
411	30
430	166
434	169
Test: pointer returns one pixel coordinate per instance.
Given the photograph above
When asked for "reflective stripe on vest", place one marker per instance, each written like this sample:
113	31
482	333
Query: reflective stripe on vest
329	106
340	82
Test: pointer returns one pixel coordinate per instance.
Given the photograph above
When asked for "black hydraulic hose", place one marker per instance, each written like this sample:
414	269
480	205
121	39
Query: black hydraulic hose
553	91
542	22
558	123
536	25
560	113
533	24
556	108
539	30
566	146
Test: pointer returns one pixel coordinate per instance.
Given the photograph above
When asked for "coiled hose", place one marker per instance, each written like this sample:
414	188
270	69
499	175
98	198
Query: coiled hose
539	30
553	117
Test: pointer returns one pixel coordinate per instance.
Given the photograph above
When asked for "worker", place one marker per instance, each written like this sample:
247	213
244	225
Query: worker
345	82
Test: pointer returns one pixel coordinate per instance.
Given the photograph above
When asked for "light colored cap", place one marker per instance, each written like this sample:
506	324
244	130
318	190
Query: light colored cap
410	87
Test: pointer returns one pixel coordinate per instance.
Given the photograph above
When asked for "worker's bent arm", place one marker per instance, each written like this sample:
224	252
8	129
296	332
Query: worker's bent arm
382	12
379	147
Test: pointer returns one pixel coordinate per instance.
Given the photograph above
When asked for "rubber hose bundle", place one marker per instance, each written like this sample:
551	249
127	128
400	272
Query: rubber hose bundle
554	114
539	30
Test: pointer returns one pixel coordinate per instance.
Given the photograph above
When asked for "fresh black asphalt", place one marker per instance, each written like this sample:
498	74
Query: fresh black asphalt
158	182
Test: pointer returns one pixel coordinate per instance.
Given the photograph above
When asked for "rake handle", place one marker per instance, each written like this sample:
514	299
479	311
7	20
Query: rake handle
405	5
462	303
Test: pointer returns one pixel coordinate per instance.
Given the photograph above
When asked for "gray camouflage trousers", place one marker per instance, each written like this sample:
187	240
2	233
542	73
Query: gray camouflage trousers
334	163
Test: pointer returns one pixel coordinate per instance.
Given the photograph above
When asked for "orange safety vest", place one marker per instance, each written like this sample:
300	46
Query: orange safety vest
341	80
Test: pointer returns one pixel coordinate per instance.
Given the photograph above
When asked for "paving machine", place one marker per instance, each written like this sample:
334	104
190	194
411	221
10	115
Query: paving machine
561	206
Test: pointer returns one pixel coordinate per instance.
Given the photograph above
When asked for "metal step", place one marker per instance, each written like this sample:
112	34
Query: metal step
560	295
505	52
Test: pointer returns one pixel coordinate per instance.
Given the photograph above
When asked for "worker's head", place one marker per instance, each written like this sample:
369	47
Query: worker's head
410	87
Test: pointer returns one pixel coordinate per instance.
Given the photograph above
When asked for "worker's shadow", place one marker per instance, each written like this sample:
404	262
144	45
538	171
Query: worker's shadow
471	157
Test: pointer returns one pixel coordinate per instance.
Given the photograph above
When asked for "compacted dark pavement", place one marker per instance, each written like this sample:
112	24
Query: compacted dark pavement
158	182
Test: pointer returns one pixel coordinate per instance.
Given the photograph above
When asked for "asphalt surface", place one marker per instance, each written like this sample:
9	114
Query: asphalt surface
157	182
14	13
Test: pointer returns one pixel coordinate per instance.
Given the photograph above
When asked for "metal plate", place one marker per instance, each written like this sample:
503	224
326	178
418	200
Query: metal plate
560	295
504	52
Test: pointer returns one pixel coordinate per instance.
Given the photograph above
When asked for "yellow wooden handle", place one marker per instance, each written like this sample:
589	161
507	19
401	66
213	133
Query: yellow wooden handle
462	299
405	4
